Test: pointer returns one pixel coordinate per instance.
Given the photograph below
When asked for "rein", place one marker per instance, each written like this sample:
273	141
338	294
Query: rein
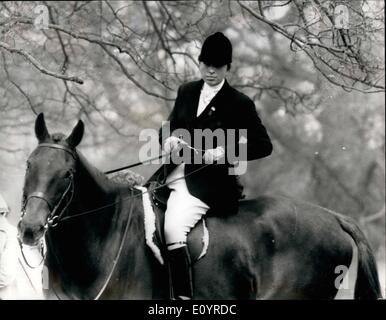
103	288
25	258
115	261
130	197
54	219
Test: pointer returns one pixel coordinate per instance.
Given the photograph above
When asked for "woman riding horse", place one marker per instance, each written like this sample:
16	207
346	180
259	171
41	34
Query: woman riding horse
208	104
274	248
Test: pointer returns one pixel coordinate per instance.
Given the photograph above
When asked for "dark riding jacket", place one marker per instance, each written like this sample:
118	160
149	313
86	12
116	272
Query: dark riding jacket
229	109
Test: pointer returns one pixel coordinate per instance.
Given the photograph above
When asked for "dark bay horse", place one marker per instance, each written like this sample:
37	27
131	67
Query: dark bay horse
274	248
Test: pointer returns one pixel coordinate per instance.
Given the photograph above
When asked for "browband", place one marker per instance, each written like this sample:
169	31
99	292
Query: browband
58	146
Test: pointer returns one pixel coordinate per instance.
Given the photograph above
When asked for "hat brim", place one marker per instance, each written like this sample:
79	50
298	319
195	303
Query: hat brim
212	61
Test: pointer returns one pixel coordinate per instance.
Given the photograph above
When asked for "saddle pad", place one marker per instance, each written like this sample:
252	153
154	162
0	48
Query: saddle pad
151	234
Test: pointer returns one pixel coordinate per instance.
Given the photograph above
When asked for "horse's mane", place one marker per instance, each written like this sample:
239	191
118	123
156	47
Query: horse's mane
126	179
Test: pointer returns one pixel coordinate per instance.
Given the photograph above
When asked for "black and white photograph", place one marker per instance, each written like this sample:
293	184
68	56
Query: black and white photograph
204	150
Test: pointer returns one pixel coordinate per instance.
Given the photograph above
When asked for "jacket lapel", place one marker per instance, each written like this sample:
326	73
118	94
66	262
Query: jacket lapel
214	104
195	98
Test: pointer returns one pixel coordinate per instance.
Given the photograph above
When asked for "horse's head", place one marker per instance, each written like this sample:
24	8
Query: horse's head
48	186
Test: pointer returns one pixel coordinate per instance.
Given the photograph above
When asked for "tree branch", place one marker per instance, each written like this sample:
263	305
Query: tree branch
38	65
346	57
130	77
157	30
66	60
26	96
103	43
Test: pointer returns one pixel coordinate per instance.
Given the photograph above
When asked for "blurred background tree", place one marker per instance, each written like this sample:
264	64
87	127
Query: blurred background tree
314	68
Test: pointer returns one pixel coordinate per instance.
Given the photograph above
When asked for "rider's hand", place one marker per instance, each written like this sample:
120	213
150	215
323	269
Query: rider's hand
173	144
212	155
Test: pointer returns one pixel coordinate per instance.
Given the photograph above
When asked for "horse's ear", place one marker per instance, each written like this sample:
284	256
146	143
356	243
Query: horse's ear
76	135
41	131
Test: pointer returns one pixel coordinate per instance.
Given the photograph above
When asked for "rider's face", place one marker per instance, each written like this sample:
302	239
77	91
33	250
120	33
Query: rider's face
212	75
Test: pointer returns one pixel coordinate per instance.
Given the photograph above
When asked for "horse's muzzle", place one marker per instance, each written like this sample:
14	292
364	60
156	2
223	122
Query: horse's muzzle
30	234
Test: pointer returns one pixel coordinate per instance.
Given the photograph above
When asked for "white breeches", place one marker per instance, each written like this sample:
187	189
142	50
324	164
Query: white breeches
183	210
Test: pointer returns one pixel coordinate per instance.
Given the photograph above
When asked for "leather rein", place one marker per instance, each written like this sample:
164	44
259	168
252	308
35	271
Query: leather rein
54	219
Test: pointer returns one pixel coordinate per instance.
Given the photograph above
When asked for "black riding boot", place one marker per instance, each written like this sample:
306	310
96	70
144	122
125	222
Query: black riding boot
181	274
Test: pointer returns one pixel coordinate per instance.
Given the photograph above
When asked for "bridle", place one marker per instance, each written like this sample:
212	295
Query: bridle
54	217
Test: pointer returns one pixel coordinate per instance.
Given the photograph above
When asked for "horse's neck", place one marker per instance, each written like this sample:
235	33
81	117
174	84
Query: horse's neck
95	240
92	187
101	203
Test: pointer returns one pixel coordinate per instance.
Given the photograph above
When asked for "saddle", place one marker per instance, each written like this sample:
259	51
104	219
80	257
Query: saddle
154	198
154	201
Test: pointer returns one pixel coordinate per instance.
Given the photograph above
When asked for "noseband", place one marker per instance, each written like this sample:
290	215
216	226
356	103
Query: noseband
53	219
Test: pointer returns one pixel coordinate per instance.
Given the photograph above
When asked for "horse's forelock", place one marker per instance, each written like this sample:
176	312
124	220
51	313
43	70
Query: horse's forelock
58	137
